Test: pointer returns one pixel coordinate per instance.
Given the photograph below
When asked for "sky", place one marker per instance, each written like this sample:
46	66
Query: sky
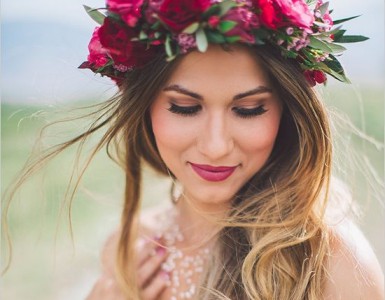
44	41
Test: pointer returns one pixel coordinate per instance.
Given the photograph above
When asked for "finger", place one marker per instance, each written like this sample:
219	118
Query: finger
151	266
146	248
153	290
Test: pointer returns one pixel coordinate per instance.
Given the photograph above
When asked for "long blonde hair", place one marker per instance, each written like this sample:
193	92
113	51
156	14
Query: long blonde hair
274	243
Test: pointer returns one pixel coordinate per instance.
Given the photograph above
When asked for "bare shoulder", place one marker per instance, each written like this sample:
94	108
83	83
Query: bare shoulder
353	269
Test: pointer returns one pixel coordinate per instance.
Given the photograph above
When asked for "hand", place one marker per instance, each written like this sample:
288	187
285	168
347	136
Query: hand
151	279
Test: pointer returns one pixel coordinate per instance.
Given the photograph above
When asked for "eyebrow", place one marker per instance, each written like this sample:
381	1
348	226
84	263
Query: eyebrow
256	91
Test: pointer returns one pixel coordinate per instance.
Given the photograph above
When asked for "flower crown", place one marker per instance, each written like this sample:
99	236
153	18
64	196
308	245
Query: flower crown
132	32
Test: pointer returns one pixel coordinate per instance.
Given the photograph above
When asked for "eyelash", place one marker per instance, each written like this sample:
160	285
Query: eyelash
239	111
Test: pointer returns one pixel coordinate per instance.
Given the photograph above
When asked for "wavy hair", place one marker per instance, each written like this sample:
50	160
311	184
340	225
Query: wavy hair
274	242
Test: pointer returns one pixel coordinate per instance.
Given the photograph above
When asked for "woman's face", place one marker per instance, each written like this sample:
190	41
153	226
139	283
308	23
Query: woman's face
215	123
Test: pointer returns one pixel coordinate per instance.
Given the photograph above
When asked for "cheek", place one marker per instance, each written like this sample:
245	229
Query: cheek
258	141
172	135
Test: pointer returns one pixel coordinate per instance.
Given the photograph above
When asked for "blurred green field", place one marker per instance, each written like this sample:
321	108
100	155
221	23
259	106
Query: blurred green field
48	264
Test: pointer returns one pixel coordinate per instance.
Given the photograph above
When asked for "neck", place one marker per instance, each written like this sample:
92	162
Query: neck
198	223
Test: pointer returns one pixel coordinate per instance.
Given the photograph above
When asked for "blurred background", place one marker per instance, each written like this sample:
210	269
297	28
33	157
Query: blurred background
42	43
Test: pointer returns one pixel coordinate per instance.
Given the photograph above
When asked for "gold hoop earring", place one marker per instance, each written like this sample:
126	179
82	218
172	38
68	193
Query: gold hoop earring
173	196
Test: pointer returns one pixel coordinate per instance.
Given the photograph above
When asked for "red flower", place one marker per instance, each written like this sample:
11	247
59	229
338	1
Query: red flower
98	55
129	11
179	14
214	21
315	76
270	15
124	52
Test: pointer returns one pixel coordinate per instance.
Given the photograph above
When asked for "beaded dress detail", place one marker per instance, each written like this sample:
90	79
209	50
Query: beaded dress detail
184	266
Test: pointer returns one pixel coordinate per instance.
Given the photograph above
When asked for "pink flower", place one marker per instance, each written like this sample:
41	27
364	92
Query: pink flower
297	12
186	41
326	18
278	13
152	10
98	55
246	20
129	11
179	14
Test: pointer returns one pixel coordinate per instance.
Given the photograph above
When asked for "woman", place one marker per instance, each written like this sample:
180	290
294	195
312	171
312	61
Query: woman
218	95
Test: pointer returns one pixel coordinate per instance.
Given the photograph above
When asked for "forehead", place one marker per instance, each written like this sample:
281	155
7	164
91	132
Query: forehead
232	71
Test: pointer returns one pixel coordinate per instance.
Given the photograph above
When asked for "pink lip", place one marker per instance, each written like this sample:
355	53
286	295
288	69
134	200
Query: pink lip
211	173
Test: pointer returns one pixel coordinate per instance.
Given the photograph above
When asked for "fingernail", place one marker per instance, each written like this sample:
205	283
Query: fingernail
160	251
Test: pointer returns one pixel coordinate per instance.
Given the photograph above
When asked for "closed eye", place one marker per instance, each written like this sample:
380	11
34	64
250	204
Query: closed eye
184	110
249	112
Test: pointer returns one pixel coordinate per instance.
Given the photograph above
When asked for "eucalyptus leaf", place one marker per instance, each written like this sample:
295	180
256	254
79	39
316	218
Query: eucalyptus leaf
142	35
226	26
324	8
320	24
201	39
225	6
320	45
167	46
336	49
335	22
191	28
311	3
96	15
351	39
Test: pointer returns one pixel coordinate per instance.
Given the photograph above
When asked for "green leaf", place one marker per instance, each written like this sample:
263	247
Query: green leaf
324	8
291	54
232	39
201	39
338	35
335	69
320	45
215	37
225	6
260	36
212	10
334	64
335	22
191	28
96	15
351	39
226	26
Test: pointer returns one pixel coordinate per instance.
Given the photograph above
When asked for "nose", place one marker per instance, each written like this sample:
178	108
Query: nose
215	140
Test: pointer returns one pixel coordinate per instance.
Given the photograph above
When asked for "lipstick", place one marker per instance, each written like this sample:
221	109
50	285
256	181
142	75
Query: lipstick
212	173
